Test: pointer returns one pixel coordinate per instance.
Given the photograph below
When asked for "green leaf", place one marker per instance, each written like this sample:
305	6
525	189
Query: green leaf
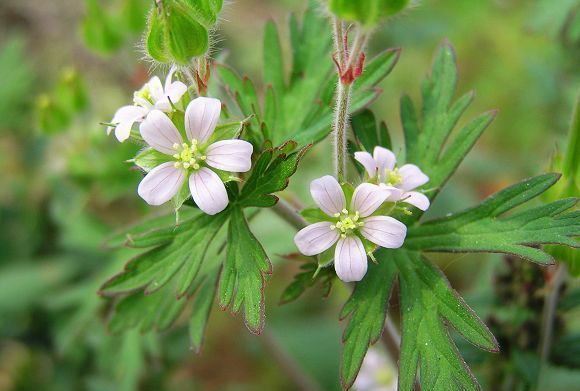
368	133
244	273
201	308
366	310
428	303
310	274
155	268
271	174
273	60
367	12
481	229
156	312
150	158
427	137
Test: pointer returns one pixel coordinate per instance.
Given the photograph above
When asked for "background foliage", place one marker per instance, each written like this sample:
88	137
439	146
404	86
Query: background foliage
65	189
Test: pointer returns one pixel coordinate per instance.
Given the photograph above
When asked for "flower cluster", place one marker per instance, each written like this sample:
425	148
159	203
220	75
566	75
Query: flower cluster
356	226
192	154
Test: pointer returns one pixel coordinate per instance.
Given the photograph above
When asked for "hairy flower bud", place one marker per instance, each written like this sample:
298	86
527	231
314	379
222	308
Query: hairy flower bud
367	12
178	29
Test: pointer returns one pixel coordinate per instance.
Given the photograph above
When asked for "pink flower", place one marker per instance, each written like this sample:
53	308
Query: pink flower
346	226
192	159
399	180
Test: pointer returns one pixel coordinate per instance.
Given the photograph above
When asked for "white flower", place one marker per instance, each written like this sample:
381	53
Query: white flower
345	226
400	180
192	158
377	373
152	96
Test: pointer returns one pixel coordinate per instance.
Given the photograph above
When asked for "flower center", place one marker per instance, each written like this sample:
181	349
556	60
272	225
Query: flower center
188	155
144	94
393	177
347	222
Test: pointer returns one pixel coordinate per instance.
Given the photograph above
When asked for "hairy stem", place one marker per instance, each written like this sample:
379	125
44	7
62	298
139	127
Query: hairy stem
340	128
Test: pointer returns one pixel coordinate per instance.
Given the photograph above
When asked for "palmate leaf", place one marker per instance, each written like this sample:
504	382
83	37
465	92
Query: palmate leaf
299	104
427	137
480	229
181	249
244	273
366	310
428	303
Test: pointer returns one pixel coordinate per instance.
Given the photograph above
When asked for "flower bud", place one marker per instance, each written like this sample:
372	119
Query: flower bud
178	29
367	12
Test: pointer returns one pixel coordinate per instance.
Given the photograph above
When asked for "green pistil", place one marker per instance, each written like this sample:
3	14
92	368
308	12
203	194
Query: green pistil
347	222
143	93
188	155
393	177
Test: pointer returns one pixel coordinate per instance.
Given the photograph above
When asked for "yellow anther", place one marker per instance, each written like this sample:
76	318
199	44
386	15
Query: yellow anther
332	227
176	146
203	157
343	236
337	215
184	145
196	166
185	165
344	211
176	156
176	164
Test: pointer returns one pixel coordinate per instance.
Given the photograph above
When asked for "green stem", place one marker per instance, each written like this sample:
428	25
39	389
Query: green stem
288	213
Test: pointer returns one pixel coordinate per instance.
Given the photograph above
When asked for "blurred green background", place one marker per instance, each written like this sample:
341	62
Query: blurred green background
66	65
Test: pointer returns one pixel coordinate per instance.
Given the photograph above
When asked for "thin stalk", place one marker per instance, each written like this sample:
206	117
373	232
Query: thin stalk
550	304
340	128
358	47
339	41
289	214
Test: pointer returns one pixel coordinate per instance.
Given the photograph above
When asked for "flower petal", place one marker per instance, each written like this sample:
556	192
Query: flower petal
175	91
328	195
417	199
161	184
367	198
201	118
124	118
412	176
208	191
384	231
367	161
384	159
156	89
316	238
230	155
169	77
160	133
395	193
350	259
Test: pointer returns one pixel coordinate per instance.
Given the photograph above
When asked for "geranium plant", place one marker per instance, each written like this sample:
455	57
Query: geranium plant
223	150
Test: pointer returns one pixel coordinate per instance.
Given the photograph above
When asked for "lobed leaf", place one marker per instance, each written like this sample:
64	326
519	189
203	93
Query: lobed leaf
366	310
271	174
427	304
243	277
480	229
427	134
155	268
